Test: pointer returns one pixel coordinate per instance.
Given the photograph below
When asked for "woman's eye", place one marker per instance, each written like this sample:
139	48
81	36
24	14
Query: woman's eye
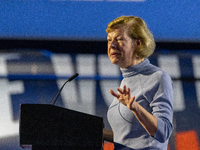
120	39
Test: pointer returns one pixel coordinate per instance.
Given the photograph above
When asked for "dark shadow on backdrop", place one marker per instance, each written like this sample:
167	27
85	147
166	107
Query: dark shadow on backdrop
95	47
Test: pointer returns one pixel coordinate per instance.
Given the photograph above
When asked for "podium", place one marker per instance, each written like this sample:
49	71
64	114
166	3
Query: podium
48	127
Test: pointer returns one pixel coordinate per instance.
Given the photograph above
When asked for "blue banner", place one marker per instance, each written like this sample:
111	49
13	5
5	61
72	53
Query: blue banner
87	19
35	78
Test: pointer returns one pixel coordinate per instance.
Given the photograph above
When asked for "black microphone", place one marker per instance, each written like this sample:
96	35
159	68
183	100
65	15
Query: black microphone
56	96
73	77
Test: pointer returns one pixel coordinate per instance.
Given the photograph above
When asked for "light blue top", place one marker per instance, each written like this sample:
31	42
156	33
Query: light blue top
153	90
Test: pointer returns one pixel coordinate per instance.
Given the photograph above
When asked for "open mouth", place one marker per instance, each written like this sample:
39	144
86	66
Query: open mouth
114	54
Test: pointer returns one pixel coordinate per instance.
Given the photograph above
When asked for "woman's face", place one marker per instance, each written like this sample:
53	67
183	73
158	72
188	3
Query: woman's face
121	48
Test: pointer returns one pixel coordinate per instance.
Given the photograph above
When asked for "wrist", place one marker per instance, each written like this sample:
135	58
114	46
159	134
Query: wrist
134	107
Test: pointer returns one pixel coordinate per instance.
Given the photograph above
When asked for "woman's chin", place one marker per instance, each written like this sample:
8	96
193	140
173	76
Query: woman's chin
116	62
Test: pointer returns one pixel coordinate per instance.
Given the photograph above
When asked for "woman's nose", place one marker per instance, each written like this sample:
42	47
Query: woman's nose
113	44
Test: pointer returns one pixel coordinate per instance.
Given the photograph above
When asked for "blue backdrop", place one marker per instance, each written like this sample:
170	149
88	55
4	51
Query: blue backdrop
35	77
87	20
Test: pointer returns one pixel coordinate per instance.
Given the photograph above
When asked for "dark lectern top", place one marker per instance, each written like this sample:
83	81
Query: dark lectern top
51	127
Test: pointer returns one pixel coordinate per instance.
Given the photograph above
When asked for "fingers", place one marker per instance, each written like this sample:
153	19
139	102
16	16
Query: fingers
124	96
129	93
122	91
114	93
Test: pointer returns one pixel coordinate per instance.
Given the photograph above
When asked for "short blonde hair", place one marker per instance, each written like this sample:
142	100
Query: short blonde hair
137	29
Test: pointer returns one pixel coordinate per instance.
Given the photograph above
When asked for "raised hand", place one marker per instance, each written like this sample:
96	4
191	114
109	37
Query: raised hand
124	96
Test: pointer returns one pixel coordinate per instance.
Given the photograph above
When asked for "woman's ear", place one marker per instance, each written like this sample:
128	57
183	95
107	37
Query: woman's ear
138	42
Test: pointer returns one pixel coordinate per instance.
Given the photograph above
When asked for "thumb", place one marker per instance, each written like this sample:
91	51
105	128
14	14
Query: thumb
131	102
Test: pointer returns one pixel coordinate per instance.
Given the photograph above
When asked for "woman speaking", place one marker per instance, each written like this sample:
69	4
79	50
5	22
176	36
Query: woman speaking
141	113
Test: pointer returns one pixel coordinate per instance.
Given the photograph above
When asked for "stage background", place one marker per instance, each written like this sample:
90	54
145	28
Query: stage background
44	42
87	19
